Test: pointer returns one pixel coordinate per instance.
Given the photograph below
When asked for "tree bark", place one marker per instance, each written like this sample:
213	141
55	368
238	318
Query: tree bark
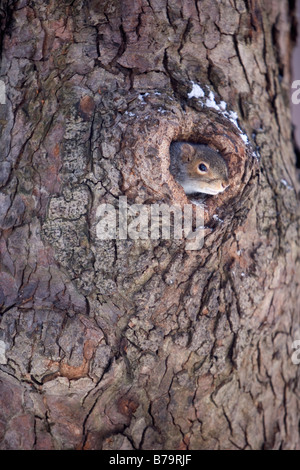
143	344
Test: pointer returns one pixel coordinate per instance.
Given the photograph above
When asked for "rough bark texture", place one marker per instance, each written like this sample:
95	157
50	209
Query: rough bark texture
141	344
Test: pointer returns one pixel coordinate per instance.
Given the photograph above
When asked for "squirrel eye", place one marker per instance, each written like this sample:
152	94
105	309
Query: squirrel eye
202	167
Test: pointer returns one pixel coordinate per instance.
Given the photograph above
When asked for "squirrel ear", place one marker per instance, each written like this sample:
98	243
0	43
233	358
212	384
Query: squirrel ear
187	152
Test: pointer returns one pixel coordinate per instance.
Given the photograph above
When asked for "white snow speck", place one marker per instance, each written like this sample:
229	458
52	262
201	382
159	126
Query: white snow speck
216	217
233	118
286	184
245	138
196	92
129	113
142	96
211	102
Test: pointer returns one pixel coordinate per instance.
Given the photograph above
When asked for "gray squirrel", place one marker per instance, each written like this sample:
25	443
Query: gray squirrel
198	168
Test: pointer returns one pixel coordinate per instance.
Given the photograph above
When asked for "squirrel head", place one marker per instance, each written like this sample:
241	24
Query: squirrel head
198	168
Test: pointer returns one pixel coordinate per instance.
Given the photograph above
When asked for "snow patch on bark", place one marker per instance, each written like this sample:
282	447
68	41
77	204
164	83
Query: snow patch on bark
210	102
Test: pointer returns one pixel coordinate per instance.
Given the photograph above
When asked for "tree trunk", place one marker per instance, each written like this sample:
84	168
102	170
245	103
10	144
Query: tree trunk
124	343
